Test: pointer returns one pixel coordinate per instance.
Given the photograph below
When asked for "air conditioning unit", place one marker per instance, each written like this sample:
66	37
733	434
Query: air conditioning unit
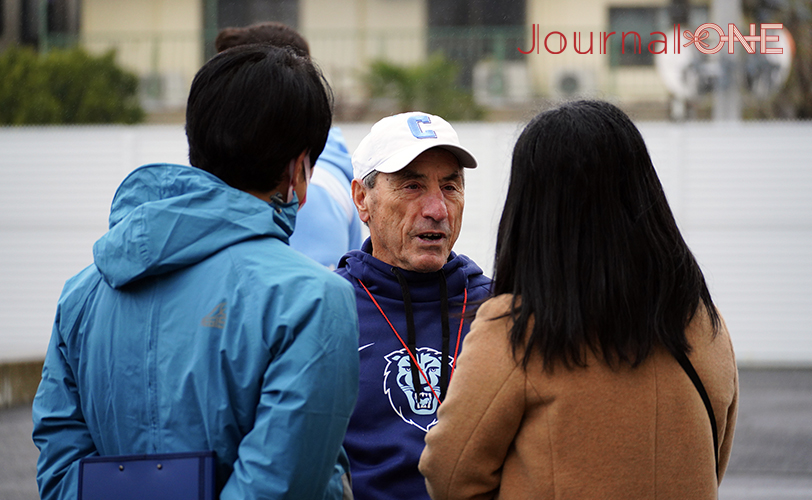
569	83
501	82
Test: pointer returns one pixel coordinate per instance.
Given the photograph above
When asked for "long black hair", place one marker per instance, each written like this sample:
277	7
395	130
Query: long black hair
588	246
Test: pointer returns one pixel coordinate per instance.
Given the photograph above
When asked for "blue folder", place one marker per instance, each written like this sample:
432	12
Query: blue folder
170	476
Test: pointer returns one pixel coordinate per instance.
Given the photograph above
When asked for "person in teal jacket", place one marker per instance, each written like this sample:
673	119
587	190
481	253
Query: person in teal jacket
198	327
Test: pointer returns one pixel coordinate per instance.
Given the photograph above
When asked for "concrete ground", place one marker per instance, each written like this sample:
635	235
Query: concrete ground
772	447
771	459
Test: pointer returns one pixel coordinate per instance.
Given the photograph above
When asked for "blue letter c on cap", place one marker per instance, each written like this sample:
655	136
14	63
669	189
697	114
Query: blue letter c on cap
414	125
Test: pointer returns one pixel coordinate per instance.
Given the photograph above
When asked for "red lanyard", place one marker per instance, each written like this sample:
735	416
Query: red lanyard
411	355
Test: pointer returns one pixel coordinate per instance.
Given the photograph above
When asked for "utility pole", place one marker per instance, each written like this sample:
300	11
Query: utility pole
727	98
361	31
680	14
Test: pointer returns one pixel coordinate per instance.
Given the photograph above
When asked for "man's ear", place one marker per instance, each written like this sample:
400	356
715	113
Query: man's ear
360	198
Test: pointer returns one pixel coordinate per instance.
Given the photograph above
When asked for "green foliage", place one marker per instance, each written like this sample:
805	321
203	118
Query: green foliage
24	94
429	87
65	87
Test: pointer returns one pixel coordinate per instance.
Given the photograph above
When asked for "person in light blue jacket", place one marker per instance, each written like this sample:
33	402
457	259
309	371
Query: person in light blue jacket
329	226
198	327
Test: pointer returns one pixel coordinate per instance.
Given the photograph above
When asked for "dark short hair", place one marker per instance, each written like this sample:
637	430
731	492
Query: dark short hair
252	109
274	33
588	246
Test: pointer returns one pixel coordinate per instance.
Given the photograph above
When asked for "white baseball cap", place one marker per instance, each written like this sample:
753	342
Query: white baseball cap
396	140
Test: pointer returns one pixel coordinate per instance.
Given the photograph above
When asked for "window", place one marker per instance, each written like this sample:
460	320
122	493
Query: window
245	12
638	23
62	20
467	31
632	26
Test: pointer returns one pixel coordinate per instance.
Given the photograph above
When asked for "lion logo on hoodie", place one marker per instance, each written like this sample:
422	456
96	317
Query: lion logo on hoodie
415	407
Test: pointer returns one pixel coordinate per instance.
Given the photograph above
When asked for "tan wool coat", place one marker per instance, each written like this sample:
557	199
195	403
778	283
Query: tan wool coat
580	433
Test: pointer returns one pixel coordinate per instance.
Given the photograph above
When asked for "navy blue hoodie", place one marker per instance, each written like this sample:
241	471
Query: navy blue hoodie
387	429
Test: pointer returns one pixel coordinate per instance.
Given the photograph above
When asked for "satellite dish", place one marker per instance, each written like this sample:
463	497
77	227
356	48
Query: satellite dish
690	73
766	73
682	73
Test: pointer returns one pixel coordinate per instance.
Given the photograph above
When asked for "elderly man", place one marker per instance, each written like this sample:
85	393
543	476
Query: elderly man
413	294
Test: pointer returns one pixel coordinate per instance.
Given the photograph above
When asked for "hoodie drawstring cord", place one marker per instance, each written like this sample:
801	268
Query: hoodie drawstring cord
446	334
411	356
411	334
412	352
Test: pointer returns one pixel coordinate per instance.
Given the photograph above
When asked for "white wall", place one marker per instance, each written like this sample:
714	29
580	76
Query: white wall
742	194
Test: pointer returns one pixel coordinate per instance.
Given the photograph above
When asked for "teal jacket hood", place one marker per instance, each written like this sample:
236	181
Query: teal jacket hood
167	217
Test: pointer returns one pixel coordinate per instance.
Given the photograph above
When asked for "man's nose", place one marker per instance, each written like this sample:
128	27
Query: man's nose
434	205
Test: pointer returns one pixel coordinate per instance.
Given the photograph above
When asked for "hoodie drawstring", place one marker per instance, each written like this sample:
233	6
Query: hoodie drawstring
446	334
411	346
410	331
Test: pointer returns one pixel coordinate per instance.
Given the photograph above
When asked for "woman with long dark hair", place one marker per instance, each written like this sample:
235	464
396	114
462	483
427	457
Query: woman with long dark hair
601	368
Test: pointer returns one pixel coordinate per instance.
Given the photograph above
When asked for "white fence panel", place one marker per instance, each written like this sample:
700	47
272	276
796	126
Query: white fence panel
741	192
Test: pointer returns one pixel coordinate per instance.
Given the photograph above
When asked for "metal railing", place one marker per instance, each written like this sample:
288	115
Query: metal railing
491	64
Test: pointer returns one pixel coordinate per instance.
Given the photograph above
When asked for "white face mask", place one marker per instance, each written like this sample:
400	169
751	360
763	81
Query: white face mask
307	169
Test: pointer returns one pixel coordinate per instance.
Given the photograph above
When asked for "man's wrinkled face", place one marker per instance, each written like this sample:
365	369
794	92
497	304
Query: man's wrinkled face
415	214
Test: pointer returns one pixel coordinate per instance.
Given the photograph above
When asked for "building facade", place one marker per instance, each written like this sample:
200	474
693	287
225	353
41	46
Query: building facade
510	52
